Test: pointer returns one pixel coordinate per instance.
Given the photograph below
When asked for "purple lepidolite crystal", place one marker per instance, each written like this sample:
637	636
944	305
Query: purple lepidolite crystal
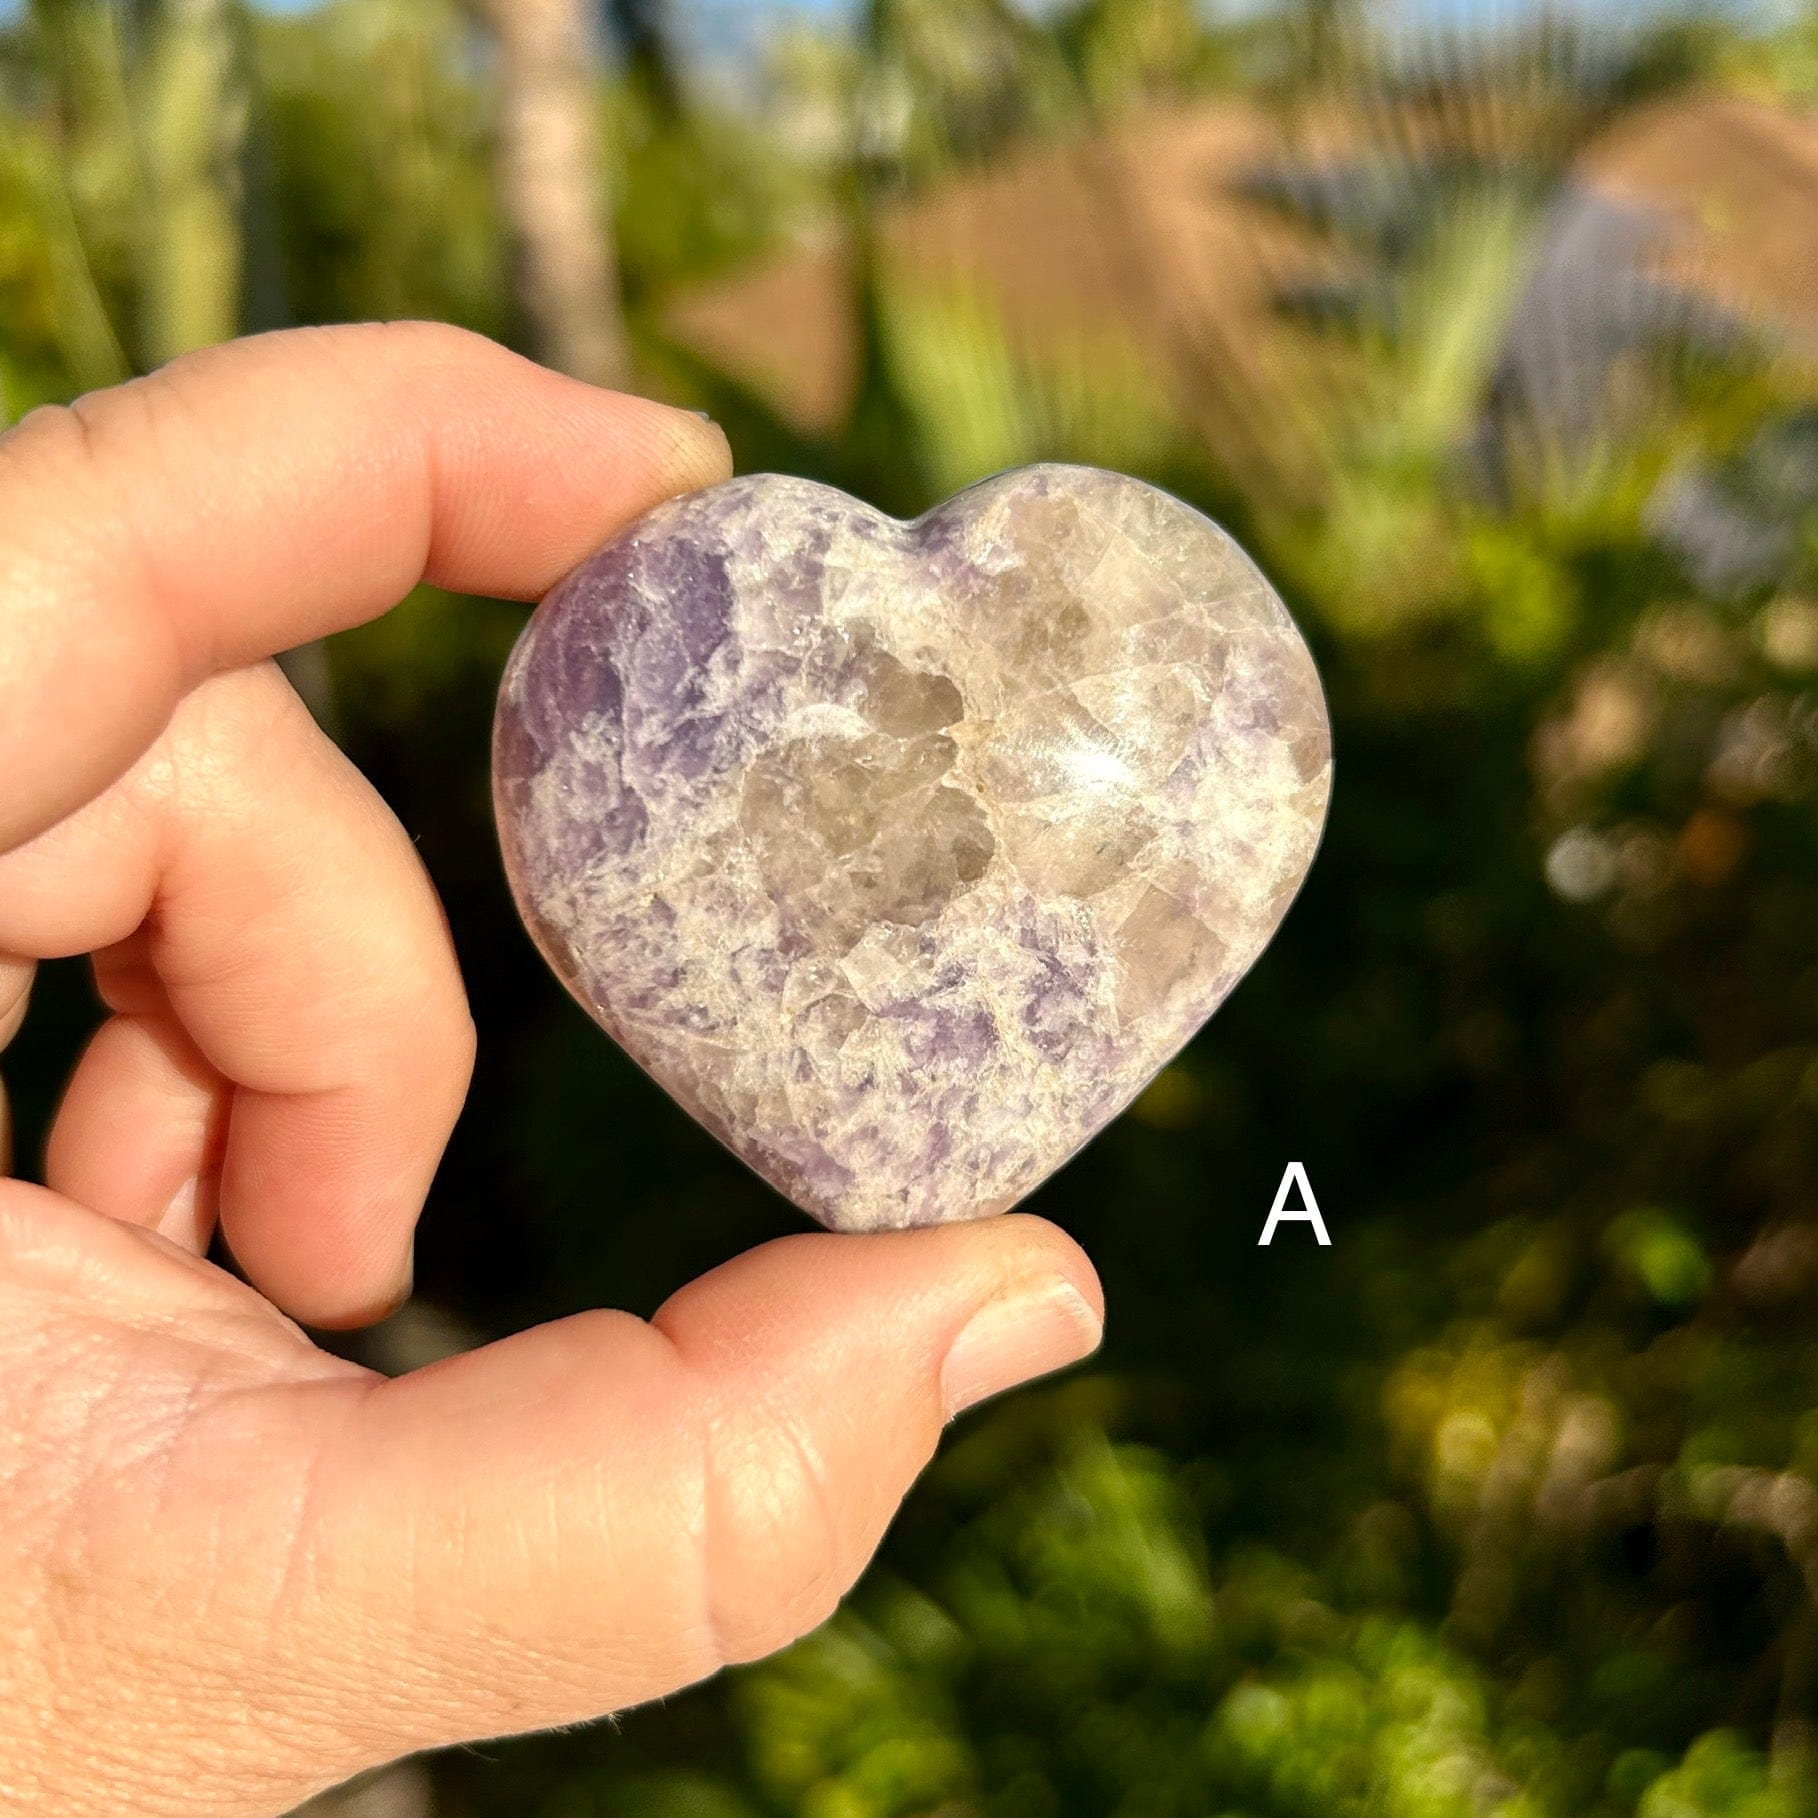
903	855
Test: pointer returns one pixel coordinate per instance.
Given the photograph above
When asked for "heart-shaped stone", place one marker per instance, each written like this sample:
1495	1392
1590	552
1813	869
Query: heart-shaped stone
904	854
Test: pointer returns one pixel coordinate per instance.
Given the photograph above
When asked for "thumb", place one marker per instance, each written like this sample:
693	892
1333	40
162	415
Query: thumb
602	1510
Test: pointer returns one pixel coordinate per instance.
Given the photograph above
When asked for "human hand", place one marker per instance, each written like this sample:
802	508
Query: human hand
233	1568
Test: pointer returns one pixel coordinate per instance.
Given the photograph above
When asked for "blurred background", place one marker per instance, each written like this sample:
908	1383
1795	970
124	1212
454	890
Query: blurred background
1492	332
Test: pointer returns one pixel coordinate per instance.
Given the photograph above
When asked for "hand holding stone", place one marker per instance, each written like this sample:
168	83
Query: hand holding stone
233	1567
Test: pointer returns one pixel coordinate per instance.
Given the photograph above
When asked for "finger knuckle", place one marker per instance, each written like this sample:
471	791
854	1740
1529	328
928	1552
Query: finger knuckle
41	1245
47	434
773	1544
54	448
61	464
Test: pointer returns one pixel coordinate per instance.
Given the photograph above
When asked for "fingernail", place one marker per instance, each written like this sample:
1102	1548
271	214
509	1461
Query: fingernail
1022	1334
181	1219
700	454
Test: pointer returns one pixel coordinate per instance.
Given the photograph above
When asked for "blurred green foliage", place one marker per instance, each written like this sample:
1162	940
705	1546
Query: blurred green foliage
1507	1503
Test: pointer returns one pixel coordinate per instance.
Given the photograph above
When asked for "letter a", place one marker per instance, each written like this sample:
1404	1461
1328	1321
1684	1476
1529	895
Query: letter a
1307	1213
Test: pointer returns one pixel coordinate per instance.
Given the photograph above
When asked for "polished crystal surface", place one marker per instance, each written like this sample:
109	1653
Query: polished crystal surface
904	854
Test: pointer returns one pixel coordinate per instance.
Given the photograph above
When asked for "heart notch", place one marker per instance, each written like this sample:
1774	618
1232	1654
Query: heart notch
903	855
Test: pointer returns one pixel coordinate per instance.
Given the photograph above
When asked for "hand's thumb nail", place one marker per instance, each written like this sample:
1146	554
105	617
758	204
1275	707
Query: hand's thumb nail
182	1218
1024	1333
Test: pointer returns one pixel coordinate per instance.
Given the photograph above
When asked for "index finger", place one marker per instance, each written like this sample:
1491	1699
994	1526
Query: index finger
249	498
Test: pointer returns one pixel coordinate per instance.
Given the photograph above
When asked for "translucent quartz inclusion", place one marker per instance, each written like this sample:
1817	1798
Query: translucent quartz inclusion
903	855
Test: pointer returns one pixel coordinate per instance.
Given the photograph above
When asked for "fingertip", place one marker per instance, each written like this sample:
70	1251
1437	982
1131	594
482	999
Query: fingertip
902	1293
1043	1247
825	1366
697	452
641	451
141	1126
539	468
316	1224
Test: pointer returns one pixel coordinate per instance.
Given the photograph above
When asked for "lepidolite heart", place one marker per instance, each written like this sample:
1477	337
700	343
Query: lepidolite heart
903	855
